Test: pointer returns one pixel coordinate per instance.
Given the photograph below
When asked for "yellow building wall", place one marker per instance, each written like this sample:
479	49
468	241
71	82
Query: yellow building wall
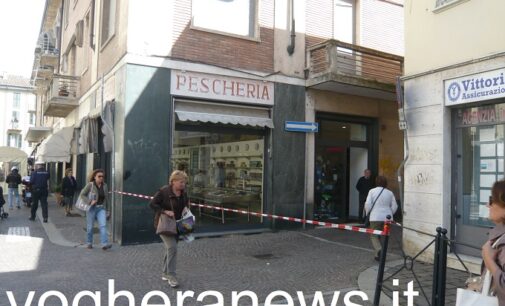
464	31
390	137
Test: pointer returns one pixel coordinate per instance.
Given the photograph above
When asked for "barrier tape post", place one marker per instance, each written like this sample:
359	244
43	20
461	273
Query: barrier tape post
439	275
382	263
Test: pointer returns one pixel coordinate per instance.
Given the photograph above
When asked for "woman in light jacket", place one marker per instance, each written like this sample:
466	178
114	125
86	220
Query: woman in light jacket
494	258
385	204
170	200
95	193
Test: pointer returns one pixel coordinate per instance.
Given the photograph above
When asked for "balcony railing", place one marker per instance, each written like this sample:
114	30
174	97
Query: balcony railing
350	64
63	96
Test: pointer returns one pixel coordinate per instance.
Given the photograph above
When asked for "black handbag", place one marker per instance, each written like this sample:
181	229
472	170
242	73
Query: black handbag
366	221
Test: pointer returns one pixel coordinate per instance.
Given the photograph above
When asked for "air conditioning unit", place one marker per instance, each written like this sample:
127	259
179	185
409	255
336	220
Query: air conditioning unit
79	33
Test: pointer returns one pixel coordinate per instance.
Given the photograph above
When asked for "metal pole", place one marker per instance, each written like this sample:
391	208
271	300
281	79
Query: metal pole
442	268
382	263
436	266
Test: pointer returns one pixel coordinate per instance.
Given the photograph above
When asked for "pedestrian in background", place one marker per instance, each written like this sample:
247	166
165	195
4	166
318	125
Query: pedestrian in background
170	200
13	180
68	187
96	194
379	204
363	186
39	180
494	257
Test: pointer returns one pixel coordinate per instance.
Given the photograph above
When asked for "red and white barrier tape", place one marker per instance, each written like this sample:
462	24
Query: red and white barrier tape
325	224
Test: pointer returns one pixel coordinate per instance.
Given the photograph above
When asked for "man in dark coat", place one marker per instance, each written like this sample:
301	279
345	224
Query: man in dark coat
39	181
13	180
364	185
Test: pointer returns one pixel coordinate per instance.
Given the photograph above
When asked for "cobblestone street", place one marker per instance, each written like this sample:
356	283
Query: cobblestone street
313	260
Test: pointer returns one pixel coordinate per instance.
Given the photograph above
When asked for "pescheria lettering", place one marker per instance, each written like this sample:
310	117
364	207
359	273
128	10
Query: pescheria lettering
223	87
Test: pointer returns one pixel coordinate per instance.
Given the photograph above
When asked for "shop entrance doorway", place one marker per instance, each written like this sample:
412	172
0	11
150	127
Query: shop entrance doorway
345	147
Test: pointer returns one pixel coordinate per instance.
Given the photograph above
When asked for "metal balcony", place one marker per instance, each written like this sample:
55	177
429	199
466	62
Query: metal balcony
346	68
63	96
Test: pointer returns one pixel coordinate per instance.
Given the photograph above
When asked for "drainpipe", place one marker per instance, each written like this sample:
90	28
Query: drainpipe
113	166
403	127
291	47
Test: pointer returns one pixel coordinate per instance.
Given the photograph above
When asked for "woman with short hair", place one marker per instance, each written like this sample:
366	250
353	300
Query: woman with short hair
379	204
95	193
170	200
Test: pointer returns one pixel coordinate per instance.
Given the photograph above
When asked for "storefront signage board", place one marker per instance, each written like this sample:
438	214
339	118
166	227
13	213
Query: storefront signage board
218	87
300	126
476	87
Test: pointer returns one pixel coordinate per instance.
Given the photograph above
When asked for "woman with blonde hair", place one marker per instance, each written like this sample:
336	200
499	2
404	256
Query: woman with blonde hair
493	251
96	194
68	187
170	200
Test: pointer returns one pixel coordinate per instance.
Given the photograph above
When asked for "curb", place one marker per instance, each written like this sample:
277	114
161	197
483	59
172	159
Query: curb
367	279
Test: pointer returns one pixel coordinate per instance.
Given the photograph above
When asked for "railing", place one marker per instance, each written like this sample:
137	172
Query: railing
344	59
64	87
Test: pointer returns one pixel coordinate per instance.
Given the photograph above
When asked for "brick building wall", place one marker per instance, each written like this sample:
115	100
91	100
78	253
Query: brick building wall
223	50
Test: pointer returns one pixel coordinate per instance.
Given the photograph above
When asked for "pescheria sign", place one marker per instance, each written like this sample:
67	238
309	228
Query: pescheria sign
476	87
218	87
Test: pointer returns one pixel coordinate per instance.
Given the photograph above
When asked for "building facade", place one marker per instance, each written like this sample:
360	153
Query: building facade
18	111
453	102
210	94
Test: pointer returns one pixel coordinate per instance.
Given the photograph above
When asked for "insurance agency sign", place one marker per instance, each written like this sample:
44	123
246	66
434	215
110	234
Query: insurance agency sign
477	87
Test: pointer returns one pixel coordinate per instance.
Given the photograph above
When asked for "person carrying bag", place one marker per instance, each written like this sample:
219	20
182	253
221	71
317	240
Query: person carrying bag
379	204
168	205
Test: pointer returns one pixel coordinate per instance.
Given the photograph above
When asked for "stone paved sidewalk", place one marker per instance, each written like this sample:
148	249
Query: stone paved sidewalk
321	259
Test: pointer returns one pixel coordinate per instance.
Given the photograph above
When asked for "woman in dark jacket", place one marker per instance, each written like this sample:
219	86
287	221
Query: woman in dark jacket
171	201
68	187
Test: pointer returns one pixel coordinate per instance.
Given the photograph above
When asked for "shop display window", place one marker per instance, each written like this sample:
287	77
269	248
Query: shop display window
225	169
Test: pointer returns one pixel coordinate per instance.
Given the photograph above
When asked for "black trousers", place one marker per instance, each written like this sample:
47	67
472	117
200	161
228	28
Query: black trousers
362	200
39	195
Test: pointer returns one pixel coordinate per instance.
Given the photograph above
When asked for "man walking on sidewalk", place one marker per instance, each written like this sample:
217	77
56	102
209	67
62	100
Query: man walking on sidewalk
39	182
13	180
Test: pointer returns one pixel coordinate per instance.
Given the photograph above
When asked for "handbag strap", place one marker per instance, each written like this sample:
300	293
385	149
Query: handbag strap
486	285
375	201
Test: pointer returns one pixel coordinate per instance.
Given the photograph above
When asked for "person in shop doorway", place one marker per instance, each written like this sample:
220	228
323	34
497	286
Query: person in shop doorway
379	204
363	186
68	187
13	180
170	200
39	181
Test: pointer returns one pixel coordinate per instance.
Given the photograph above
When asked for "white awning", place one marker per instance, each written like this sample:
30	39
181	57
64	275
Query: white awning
223	113
56	148
36	133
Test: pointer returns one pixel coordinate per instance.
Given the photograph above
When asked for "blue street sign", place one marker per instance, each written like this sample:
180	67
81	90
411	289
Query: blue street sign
297	126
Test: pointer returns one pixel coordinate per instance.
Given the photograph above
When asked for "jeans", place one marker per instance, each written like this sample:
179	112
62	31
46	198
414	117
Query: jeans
170	256
13	192
39	195
99	214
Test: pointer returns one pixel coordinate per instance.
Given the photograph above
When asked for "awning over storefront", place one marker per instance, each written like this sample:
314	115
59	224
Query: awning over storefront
36	133
223	113
56	148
